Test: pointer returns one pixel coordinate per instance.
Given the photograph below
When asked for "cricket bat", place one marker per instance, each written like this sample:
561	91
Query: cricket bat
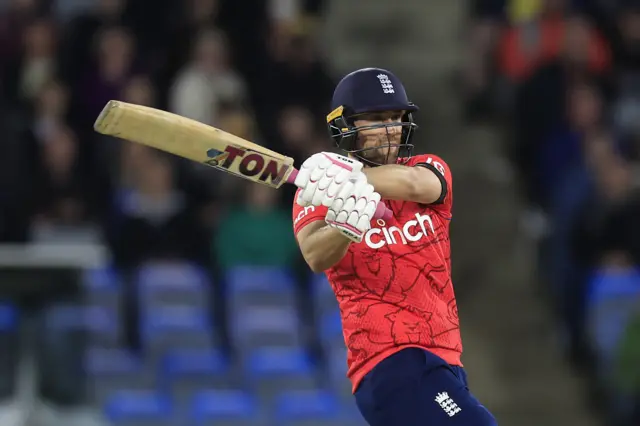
202	143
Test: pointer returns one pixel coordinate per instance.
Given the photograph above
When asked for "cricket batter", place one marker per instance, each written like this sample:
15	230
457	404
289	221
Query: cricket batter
392	278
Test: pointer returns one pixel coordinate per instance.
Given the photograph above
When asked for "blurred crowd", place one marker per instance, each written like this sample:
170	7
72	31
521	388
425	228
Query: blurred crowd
255	71
562	78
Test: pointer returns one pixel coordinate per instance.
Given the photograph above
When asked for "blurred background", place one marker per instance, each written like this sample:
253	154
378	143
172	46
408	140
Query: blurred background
139	289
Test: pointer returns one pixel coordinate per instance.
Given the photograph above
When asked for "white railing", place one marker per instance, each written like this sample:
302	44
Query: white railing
41	256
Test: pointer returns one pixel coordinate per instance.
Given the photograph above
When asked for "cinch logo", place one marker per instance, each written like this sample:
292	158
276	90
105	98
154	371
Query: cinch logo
411	231
303	213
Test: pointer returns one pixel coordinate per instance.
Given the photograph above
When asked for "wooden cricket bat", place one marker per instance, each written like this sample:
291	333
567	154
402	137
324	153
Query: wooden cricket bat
199	142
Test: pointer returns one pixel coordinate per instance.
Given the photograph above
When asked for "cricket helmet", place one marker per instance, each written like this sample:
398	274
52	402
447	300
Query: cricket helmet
369	90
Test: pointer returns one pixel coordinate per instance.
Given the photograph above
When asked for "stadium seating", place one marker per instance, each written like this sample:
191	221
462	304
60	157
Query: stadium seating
183	377
270	370
103	289
101	323
101	279
8	317
331	328
112	370
184	372
306	407
229	407
173	283
256	326
612	300
325	299
140	408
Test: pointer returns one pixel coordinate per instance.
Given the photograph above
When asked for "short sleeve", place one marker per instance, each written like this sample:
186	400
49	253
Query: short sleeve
442	167
302	216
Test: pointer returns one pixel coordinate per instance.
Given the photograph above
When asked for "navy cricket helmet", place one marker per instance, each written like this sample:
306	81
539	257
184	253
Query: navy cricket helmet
369	90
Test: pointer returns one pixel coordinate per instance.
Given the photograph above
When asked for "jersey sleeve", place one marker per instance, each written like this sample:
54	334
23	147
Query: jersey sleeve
302	216
438	166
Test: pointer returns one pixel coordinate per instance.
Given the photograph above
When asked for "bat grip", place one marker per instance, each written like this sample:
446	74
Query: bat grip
382	212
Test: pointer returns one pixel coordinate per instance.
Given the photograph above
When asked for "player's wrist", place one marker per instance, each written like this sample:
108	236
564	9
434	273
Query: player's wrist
338	234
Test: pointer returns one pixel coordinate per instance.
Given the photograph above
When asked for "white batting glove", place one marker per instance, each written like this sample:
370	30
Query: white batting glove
322	176
353	208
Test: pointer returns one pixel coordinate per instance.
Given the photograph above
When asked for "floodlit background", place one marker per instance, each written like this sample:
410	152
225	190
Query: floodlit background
139	289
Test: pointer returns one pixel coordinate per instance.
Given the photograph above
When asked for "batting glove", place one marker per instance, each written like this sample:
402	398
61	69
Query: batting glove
322	176
353	208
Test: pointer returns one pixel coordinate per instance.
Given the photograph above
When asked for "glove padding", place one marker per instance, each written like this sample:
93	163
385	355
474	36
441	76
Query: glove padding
353	208
322	176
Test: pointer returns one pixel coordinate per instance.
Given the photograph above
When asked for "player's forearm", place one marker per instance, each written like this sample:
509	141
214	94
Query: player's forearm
398	182
324	248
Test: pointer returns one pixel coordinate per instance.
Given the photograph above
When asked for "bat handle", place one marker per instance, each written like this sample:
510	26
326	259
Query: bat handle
382	212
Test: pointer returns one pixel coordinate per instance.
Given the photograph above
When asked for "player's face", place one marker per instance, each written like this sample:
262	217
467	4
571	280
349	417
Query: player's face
381	144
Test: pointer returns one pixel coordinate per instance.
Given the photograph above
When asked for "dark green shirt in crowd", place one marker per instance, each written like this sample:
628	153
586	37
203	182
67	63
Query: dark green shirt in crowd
261	238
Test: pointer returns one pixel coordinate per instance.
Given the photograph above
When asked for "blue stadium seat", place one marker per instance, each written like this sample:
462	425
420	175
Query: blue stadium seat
8	317
188	362
102	323
112	369
323	296
164	327
182	276
175	319
321	286
103	288
139	407
266	326
278	361
186	370
613	297
331	327
337	363
101	279
222	407
111	361
256	278
274	369
620	284
292	406
336	378
173	283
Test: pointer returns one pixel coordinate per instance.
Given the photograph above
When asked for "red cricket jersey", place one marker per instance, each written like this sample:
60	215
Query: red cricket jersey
394	288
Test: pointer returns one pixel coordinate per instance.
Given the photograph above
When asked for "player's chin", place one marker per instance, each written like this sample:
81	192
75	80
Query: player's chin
389	155
389	158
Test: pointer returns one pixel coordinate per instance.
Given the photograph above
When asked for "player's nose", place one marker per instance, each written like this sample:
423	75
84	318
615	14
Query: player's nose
393	129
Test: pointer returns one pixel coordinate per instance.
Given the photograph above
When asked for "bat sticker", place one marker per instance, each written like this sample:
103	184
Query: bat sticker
216	157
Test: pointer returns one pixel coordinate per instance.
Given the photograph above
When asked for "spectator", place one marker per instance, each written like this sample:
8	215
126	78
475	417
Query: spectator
298	139
82	30
36	64
297	73
211	189
154	221
200	14
114	66
124	158
563	147
540	100
65	205
13	21
627	88
245	230
207	80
